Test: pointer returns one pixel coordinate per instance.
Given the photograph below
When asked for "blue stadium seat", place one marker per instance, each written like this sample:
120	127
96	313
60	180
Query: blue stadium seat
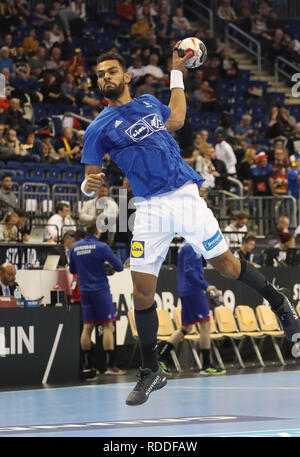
53	177
295	111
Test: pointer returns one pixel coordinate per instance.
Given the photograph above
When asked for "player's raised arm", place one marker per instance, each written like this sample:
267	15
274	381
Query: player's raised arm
177	100
93	180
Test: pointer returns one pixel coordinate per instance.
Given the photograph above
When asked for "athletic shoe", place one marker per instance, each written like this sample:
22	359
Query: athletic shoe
88	374
148	381
165	368
288	316
115	371
212	371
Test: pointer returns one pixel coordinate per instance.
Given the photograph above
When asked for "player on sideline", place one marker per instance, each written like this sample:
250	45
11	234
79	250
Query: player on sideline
135	133
192	288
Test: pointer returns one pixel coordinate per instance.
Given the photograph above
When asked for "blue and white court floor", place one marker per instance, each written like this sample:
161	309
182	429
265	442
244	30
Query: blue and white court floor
263	404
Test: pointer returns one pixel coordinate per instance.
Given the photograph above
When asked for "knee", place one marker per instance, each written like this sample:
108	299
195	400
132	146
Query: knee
142	298
205	327
186	329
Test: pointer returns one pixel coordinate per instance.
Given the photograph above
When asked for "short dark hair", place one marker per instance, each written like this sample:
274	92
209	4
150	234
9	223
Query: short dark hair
79	234
112	56
60	206
6	175
242	215
91	228
69	234
248	238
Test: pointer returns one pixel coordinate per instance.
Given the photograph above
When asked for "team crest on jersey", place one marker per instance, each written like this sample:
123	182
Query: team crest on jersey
138	250
145	127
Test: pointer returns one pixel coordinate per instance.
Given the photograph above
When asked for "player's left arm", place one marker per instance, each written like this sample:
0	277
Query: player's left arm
177	102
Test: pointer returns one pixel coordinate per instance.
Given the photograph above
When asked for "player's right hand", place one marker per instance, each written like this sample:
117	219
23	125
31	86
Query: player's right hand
94	182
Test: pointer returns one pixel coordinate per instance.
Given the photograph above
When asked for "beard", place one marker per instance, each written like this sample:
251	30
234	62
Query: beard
114	92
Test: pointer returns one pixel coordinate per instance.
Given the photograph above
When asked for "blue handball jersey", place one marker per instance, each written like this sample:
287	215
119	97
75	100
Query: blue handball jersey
87	259
135	137
190	272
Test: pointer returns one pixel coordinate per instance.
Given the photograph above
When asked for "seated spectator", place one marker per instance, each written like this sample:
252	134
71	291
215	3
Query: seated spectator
38	62
46	41
30	43
23	226
292	48
21	64
155	48
226	12
7	279
103	210
200	147
69	89
6	61
246	249
154	69
282	226
274	45
125	11
8	198
13	117
32	147
258	26
12	141
179	19
210	42
65	147
228	65
85	94
225	153
281	123
261	183
76	61
225	128
136	70
8	227
39	17
164	30
293	144
56	35
205	168
220	174
50	155
287	241
51	90
281	167
243	169
140	29
182	31
293	177
211	71
147	87
235	232
206	97
54	62
244	131
55	223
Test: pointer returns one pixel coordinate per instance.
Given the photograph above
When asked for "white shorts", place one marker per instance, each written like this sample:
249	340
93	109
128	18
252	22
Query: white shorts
159	218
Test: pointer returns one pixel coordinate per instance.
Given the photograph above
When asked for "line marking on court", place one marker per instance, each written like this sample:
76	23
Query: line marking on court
135	423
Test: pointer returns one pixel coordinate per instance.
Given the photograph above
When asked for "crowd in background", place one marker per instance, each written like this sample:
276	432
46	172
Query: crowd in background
48	58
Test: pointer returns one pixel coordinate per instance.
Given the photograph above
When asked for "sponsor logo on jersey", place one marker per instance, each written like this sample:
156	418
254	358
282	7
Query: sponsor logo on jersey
145	127
213	241
117	123
138	249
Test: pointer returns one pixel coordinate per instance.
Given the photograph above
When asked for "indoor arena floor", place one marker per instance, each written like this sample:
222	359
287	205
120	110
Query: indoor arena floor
258	404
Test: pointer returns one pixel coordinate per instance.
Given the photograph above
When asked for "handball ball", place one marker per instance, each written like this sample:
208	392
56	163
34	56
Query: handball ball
197	47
